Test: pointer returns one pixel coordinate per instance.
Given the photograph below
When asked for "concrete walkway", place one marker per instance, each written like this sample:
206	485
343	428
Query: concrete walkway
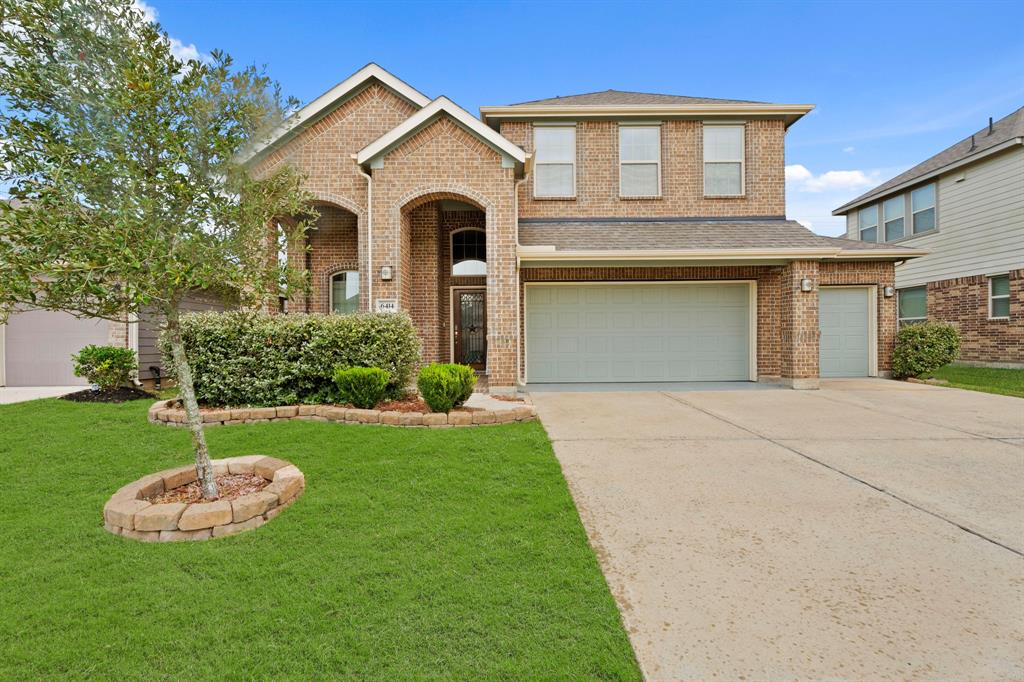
869	530
19	394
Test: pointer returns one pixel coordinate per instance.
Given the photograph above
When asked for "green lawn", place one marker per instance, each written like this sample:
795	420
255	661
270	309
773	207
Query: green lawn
989	380
413	554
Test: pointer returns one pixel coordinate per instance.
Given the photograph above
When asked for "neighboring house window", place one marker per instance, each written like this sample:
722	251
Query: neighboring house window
554	173
892	212
723	160
922	209
867	220
345	292
912	305
639	161
469	252
999	296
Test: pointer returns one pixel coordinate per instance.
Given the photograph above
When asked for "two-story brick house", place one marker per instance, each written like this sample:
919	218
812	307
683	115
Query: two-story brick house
607	237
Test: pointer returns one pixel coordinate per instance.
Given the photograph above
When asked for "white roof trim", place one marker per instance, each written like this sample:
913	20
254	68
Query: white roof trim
439	105
550	253
314	109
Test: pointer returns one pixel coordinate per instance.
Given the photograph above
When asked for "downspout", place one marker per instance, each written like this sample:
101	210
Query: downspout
519	301
369	236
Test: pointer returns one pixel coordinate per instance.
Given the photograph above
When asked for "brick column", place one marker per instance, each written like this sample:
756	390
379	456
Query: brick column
799	325
502	335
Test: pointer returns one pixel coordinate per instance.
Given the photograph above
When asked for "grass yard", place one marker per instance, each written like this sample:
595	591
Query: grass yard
413	554
987	379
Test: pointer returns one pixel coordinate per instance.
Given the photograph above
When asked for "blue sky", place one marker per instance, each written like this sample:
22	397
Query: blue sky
894	83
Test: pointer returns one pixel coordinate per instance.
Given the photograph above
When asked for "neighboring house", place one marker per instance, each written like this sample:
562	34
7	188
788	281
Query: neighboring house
965	206
36	345
606	237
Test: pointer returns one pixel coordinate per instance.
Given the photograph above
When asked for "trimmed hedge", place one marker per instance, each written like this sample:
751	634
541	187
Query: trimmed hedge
924	347
241	358
361	386
108	367
445	386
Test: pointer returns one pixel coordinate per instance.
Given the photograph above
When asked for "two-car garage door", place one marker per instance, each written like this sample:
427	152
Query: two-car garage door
638	332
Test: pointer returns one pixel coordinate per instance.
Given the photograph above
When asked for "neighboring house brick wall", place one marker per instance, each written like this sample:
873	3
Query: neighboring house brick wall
682	169
964	303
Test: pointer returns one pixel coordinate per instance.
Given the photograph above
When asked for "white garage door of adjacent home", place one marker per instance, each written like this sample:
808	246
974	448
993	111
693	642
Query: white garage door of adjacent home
638	332
38	345
844	320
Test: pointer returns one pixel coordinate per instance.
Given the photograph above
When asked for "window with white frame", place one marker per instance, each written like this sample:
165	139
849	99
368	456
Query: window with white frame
922	209
554	171
469	252
892	215
639	161
999	296
723	160
912	305
345	292
867	223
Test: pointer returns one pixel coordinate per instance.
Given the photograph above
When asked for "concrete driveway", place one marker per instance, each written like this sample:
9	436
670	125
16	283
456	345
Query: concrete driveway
869	530
19	394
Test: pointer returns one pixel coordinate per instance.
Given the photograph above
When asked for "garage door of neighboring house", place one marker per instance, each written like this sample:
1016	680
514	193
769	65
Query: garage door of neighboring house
639	332
844	318
38	345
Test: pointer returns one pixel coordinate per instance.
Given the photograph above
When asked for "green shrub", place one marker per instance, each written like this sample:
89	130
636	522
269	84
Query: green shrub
106	366
924	347
446	386
243	358
361	386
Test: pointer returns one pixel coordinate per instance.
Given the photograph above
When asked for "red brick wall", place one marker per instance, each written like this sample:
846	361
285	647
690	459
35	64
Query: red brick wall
682	170
333	249
964	303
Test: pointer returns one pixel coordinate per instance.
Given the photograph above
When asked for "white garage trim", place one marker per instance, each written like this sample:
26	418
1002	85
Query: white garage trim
871	291
751	307
3	357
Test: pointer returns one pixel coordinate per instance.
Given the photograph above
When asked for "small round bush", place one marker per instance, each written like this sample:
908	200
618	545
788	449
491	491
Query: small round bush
362	386
924	347
108	367
445	386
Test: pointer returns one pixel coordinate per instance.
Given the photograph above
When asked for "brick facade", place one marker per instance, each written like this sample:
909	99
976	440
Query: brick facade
964	303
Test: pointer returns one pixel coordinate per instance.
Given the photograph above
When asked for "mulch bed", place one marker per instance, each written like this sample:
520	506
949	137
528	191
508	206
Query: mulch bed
117	395
414	404
230	486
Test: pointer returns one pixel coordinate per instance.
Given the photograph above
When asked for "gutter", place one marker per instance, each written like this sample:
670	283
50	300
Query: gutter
369	235
550	253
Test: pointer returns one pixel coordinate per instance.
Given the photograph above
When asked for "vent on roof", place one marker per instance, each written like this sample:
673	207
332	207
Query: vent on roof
973	146
991	129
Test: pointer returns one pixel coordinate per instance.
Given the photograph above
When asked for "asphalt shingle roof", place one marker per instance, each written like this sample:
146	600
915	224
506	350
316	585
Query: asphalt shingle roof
624	98
1004	129
616	235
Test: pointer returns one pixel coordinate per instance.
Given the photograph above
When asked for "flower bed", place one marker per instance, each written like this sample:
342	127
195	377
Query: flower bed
167	412
130	513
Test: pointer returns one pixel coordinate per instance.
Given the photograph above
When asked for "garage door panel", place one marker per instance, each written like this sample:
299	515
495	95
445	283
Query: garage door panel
39	344
642	332
844	322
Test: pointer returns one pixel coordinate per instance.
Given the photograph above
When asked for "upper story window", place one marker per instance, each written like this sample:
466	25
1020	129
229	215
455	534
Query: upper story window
999	296
912	305
922	209
554	173
639	161
892	211
723	160
469	252
867	222
345	292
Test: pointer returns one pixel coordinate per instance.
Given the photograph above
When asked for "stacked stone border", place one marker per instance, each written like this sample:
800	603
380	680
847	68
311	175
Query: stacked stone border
128	514
163	412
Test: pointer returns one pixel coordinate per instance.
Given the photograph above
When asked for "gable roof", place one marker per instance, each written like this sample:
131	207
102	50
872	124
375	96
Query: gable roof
611	97
1005	132
330	100
426	115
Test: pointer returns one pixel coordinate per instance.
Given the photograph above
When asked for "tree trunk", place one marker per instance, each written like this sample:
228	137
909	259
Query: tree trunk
204	469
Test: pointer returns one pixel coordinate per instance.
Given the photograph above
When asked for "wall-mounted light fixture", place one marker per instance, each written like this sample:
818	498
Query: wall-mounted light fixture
385	273
806	284
889	292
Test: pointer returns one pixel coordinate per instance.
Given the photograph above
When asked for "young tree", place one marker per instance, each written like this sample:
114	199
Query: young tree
122	163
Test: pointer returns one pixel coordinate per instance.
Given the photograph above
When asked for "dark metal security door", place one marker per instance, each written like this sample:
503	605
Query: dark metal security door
471	327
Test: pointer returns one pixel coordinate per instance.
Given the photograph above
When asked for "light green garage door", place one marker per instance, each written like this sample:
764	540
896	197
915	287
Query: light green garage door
844	322
637	332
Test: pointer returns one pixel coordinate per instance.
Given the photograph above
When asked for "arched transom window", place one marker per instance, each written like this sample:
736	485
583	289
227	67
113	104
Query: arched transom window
469	252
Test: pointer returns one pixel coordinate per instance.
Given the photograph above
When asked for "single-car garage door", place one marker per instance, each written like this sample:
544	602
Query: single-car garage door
38	345
844	320
638	332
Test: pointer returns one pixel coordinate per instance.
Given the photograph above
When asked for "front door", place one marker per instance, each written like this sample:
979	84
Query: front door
470	330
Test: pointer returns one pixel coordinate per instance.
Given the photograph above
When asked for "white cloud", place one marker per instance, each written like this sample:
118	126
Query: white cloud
849	150
148	11
803	180
179	49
